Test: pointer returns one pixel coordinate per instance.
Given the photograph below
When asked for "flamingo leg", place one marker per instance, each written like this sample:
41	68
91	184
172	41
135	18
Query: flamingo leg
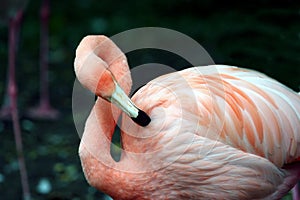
14	25
14	30
44	110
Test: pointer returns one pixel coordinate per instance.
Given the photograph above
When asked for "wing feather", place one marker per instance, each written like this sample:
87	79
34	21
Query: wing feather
239	107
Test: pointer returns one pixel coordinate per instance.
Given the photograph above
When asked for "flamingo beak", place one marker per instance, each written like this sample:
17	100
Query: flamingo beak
122	101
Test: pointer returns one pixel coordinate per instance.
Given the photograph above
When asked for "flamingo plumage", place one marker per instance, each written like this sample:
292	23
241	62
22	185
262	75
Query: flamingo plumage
216	132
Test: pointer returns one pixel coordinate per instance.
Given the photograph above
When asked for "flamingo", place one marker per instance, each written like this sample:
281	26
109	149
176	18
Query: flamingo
211	132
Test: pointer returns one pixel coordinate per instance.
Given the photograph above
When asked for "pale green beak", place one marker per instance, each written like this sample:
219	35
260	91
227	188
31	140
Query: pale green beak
122	101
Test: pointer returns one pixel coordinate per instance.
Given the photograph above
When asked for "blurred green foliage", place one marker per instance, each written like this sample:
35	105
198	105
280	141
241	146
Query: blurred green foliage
262	35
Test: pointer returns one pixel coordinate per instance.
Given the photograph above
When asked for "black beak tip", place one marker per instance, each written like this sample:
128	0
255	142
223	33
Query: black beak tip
142	119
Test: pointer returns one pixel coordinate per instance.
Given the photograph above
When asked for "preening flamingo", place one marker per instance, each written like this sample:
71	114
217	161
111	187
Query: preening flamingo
216	132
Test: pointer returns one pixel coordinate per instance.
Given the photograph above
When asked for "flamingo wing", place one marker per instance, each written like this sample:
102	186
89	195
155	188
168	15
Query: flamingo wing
217	128
242	108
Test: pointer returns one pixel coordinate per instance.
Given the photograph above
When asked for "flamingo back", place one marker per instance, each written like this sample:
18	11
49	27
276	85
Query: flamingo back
238	107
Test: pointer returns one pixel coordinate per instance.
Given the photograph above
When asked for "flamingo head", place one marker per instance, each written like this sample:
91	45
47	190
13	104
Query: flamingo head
94	57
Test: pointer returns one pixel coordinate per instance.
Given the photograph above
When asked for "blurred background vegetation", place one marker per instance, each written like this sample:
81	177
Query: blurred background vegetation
258	34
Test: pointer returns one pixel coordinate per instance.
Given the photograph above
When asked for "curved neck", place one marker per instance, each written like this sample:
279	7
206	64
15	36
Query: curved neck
94	55
98	132
101	171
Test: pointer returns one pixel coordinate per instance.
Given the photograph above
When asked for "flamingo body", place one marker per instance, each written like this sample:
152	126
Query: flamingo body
217	132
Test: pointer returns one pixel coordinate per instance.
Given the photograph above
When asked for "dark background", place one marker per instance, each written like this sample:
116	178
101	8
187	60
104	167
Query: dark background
258	34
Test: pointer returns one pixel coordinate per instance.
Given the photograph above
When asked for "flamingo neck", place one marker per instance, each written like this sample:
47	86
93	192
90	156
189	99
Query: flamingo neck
100	169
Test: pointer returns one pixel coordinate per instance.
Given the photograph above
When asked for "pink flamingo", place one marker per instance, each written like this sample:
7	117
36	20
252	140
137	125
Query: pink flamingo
216	132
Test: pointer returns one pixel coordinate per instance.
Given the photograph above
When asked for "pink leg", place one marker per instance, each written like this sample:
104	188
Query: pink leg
14	29
44	109
296	192
15	23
